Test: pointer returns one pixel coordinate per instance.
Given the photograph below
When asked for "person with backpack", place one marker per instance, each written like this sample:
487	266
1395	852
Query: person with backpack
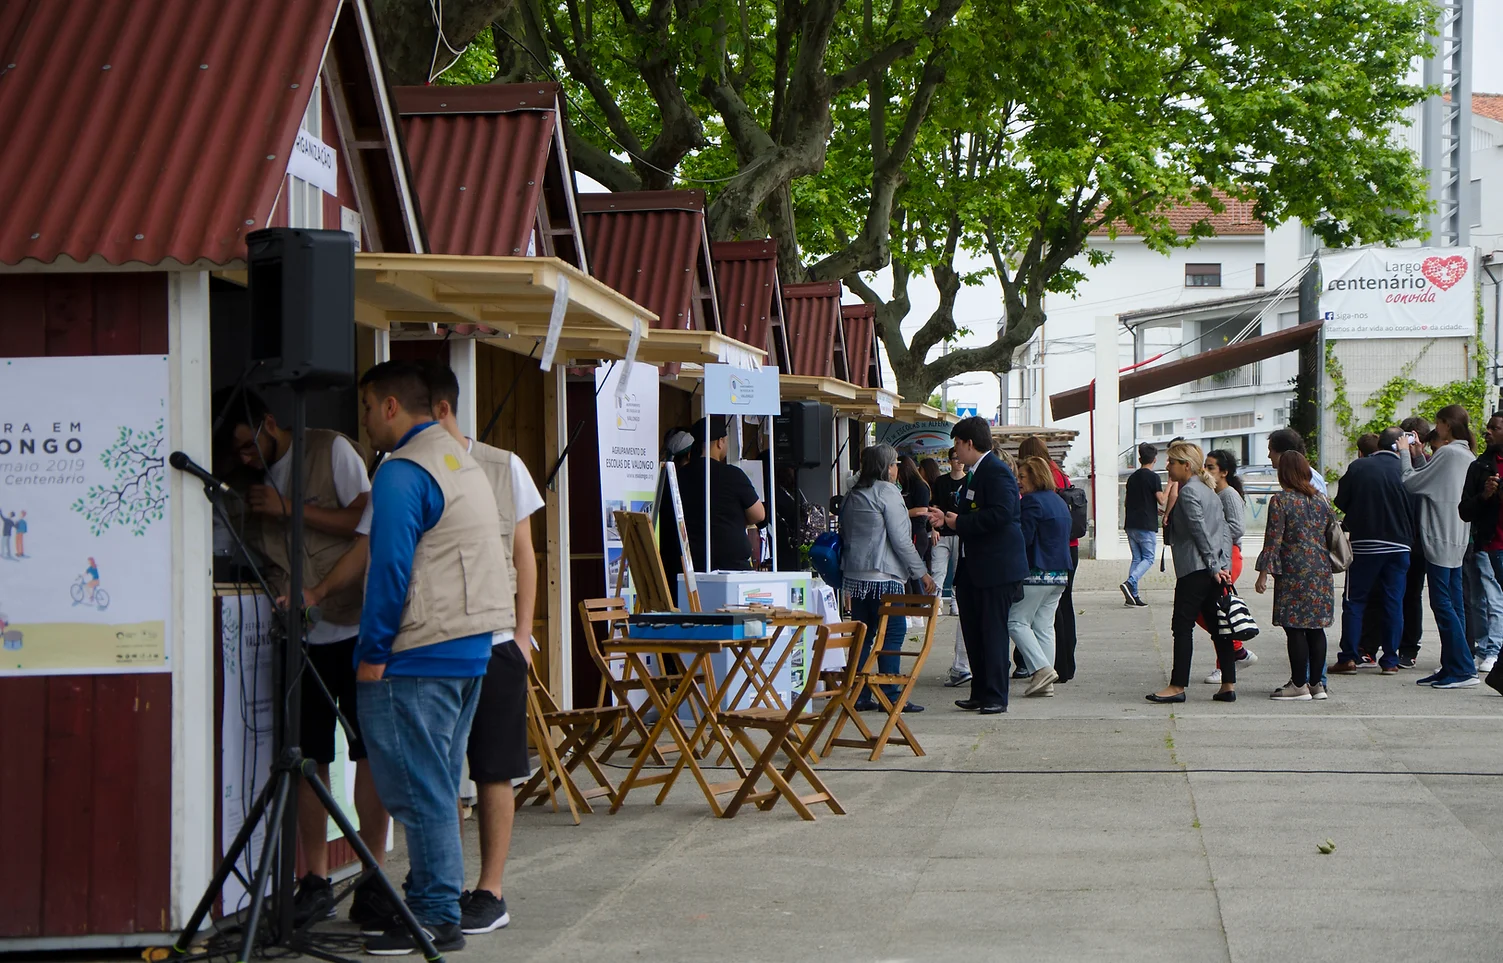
1075	506
877	558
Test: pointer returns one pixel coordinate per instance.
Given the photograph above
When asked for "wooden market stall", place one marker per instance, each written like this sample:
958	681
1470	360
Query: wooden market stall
170	131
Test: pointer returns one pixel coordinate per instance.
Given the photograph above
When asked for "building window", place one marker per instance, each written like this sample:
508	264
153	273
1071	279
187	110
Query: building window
1280	417
1159	429
305	202
1474	203
1258	278
1216	424
1202	275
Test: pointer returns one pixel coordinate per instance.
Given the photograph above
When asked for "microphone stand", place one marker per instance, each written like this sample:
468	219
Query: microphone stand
277	801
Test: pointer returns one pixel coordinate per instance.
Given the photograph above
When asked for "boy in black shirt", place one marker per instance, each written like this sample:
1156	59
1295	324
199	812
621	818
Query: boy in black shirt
734	508
1144	501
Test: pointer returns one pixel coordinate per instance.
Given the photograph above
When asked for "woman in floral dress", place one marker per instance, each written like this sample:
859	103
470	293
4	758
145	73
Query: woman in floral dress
1295	554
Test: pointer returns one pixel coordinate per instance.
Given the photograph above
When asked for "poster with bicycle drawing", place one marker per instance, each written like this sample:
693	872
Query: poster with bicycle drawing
85	528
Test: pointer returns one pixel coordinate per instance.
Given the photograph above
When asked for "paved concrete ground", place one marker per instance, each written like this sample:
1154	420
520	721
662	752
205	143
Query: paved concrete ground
1090	826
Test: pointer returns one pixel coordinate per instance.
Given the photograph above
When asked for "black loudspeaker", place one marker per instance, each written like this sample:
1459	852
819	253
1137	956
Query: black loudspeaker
302	306
796	435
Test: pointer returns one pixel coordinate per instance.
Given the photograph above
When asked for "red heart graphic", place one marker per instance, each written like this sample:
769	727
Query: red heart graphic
1444	272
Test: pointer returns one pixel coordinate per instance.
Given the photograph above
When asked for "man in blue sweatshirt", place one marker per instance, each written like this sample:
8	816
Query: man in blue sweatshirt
1380	521
433	599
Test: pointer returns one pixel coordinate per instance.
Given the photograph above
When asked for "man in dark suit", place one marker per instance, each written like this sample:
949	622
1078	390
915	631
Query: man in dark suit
992	561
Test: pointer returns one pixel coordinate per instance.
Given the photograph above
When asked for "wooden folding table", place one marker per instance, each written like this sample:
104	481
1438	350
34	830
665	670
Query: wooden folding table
695	654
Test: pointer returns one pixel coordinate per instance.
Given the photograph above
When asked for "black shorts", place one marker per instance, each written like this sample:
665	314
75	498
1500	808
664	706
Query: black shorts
498	738
335	664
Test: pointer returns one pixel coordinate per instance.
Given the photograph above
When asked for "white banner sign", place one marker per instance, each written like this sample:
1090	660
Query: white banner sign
742	391
1417	292
628	428
85	524
246	732
315	162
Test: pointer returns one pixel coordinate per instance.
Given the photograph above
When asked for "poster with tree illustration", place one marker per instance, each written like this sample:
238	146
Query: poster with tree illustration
85	526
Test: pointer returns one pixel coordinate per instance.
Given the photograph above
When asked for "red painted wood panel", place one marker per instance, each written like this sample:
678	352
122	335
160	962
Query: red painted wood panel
69	791
23	705
85	761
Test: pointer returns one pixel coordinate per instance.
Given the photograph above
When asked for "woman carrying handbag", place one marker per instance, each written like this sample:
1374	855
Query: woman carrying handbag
1297	553
1202	547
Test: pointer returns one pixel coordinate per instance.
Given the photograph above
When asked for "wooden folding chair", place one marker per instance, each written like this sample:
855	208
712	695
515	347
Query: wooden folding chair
830	688
580	731
605	619
893	607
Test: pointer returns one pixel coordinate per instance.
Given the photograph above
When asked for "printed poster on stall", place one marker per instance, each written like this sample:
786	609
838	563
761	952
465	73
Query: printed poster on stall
247	729
85	530
1412	292
628	428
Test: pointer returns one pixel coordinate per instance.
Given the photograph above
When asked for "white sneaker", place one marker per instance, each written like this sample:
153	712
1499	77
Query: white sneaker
1250	660
1458	684
1486	665
1214	678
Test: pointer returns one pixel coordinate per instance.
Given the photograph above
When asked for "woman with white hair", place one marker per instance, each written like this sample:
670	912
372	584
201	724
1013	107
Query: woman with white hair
1202	546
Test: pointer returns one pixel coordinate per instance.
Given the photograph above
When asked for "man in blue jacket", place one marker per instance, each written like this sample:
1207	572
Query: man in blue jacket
1380	521
434	594
992	564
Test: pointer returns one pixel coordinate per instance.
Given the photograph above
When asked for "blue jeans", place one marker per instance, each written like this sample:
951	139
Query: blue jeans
1488	567
1450	616
868	610
415	733
1143	545
1374	582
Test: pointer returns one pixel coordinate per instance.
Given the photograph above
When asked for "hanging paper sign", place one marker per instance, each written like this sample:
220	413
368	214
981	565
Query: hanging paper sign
315	162
555	323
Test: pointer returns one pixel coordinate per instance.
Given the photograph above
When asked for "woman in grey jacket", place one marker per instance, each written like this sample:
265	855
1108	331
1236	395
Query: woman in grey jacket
878	557
1436	489
1202	547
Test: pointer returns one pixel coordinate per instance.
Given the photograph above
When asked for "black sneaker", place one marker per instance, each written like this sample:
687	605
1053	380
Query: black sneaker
481	912
371	911
1407	663
314	900
396	941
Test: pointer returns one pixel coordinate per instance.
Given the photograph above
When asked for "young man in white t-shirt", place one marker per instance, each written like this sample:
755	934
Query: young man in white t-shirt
335	499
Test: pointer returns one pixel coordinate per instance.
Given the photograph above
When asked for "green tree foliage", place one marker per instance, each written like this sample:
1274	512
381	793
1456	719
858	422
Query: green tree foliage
863	135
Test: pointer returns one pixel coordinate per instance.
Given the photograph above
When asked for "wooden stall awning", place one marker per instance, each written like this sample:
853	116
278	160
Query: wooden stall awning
871	404
698	347
912	412
821	388
510	295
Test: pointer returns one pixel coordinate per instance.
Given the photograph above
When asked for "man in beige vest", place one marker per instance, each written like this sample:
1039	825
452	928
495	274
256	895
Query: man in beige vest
498	739
335	493
436	592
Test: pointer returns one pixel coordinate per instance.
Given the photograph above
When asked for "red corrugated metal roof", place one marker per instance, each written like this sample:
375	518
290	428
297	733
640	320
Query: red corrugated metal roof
811	314
146	132
650	246
1135	384
859	321
479	157
746	284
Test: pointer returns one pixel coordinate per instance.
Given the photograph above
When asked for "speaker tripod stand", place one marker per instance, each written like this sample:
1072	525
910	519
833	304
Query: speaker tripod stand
276	803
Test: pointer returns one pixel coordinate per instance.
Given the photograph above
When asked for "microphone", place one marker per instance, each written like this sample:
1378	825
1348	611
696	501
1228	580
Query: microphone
182	462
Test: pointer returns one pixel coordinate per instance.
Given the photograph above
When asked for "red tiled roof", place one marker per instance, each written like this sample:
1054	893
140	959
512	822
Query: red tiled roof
1236	220
1488	105
480	158
651	246
811	314
147	132
746	285
859	321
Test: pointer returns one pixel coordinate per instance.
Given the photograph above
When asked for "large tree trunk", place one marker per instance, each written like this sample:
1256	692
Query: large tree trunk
406	33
